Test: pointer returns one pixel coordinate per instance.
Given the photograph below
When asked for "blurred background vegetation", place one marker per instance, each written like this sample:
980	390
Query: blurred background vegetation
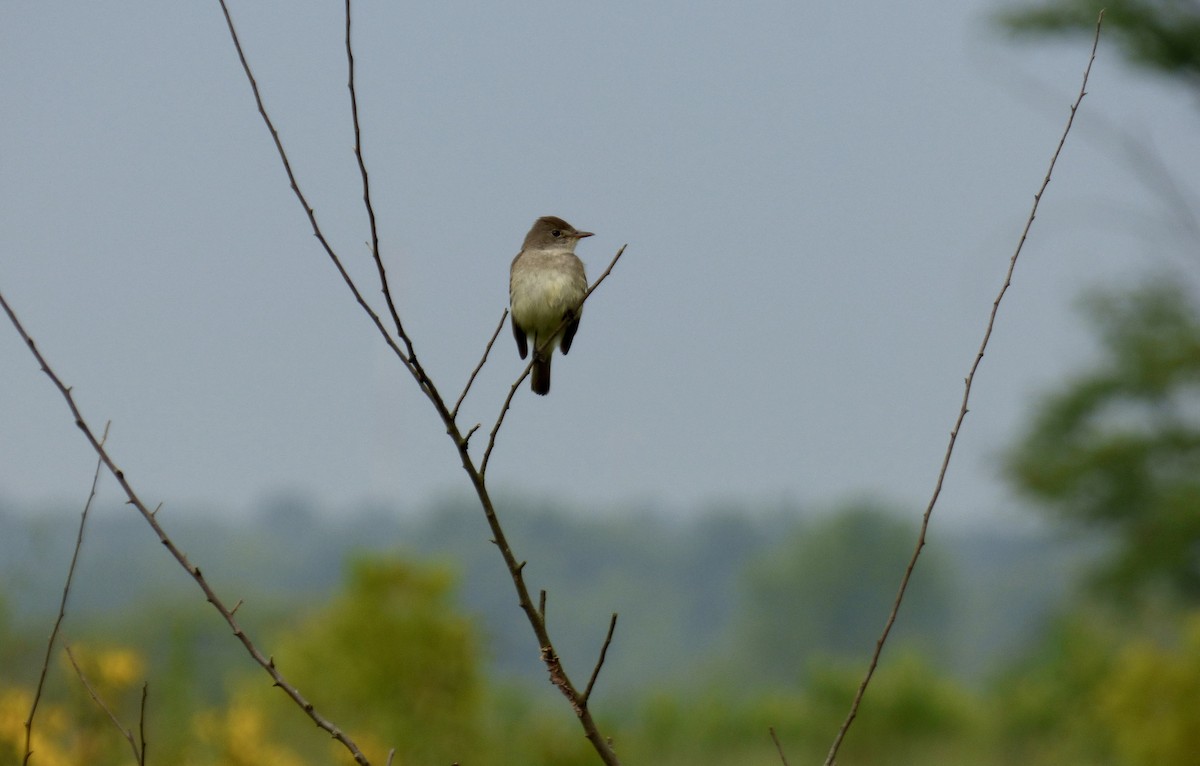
1076	641
732	621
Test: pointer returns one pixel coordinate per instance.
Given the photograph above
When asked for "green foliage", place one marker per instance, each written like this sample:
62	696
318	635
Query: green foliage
392	659
677	582
911	715
1152	704
1103	692
390	656
827	590
1043	711
393	662
70	728
1118	447
1163	35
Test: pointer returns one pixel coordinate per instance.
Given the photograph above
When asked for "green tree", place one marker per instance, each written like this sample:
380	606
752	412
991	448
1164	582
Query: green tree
828	589
1150	704
1162	35
1117	447
393	662
392	659
1044	706
1097	691
915	715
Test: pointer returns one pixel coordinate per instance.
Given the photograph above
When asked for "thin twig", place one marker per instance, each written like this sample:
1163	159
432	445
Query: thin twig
1140	158
534	614
612	625
425	383
604	275
150	518
366	187
62	604
142	723
487	350
512	391
308	210
126	733
778	747
962	412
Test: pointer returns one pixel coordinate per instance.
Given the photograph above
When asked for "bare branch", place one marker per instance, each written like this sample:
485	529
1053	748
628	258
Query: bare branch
179	556
587	693
366	187
142	723
604	275
487	350
408	358
535	616
471	433
62	604
962	412
778	747
126	733
512	391
308	210
487	453
425	383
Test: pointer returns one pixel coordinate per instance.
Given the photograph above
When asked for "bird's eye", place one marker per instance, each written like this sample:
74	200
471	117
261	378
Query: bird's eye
556	233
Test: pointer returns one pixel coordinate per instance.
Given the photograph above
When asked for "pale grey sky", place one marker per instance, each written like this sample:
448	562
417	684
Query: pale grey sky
820	201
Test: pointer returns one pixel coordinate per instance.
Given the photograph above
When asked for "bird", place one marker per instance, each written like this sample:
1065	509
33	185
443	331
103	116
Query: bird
546	287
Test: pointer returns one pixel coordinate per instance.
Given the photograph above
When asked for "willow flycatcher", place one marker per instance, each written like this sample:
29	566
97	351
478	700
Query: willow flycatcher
546	287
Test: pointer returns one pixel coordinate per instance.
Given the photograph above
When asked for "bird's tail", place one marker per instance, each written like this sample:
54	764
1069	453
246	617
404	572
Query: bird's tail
541	375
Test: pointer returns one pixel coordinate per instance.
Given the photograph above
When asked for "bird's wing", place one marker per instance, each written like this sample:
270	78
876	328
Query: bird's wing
519	334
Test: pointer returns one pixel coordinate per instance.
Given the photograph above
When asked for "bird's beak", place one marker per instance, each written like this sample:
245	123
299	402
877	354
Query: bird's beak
582	234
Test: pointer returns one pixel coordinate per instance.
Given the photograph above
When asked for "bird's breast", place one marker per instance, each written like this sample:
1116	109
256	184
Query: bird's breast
543	291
